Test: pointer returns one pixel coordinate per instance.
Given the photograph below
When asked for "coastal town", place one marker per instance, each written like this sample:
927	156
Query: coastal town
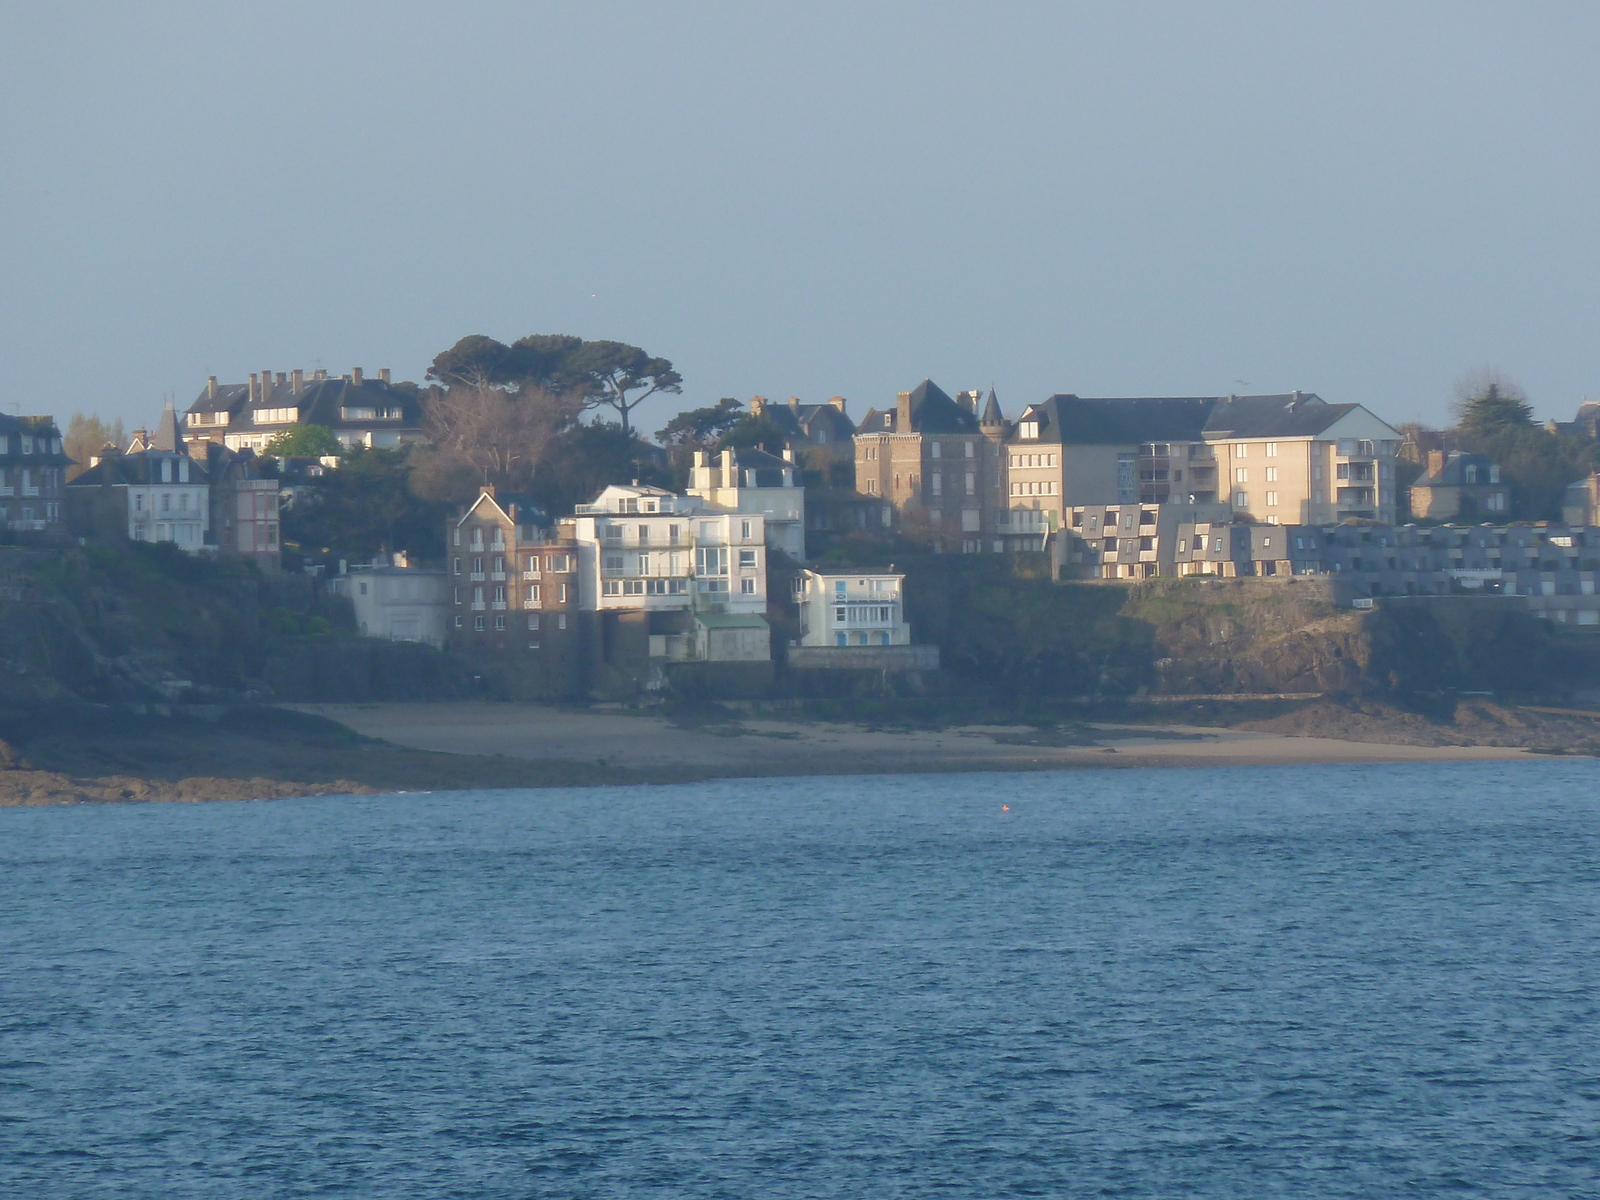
756	540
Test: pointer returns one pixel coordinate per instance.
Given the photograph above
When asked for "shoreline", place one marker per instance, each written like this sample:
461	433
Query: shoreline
370	748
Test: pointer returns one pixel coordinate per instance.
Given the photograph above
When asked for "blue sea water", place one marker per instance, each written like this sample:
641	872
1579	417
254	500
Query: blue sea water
1307	982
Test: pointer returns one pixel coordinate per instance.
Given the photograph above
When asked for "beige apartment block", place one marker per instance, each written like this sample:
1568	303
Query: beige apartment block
1286	459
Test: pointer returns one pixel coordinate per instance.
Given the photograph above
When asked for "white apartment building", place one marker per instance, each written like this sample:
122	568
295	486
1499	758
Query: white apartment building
755	483
153	496
861	609
645	548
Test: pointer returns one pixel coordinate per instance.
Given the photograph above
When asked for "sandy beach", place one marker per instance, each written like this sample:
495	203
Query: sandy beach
766	746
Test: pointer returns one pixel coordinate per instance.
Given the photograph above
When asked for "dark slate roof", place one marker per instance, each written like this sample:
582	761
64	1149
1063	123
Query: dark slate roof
1098	422
1294	415
932	411
319	402
813	422
519	507
141	468
1104	421
748	458
11	431
1454	471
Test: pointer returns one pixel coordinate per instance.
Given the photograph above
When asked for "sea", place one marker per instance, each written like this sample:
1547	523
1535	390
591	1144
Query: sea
1374	980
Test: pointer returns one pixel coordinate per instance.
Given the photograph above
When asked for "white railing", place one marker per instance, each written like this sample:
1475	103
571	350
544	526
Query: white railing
497	576
477	606
475	576
497	605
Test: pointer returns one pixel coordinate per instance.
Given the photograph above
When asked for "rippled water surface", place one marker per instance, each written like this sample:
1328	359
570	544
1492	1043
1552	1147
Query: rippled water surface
1361	981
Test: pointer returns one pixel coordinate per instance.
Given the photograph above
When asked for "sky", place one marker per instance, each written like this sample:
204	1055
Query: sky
1365	201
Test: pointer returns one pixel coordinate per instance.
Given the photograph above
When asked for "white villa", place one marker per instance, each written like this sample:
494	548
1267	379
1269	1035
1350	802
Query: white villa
861	609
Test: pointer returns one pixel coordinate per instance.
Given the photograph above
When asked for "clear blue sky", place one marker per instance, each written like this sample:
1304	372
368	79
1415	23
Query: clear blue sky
1362	200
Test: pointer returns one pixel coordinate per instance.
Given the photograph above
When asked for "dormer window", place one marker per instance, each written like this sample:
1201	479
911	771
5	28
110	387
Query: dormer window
1029	430
888	420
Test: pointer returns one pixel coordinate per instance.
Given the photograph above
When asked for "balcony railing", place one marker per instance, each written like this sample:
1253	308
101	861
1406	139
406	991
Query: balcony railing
475	576
497	576
477	606
497	605
530	575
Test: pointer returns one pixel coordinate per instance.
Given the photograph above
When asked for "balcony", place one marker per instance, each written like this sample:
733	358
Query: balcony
477	606
530	575
476	576
497	576
497	605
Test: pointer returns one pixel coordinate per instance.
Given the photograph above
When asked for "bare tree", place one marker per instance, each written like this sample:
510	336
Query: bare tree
503	438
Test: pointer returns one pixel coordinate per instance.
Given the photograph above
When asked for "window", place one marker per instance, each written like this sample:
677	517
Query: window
477	624
477	566
611	562
969	448
1241	450
1028	430
611	587
456	563
1241	500
938	484
747	587
935	450
561	598
166	502
840	639
644	535
500	624
457	591
499	563
1272	499
499	593
561	563
839	615
705	531
561	618
747	558
1272	474
532	596
972	484
530	565
613	533
456	536
477	595
533	621
1241	475
711	560
1272	450
744	529
458	622
655	587
644	564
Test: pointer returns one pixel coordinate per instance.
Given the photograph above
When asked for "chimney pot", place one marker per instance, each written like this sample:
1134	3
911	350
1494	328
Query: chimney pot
837	402
1436	461
383	374
355	376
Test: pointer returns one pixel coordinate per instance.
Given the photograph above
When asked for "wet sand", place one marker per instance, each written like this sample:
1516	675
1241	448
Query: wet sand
767	746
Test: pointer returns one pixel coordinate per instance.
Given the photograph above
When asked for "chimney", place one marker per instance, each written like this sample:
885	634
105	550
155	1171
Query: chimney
320	373
355	376
902	412
401	559
1436	461
730	477
837	402
699	458
266	386
486	489
297	381
282	378
211	387
794	401
252	387
383	374
758	405
788	452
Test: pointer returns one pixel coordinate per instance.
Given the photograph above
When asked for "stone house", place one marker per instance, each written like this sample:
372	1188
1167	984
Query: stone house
1459	486
33	468
514	592
935	462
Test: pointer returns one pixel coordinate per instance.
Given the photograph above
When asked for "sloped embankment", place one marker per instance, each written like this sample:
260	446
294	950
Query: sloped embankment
1222	636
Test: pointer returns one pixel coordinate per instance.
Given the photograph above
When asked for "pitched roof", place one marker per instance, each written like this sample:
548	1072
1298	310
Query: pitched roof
931	411
1106	421
991	412
516	507
141	468
814	422
1454	471
320	402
